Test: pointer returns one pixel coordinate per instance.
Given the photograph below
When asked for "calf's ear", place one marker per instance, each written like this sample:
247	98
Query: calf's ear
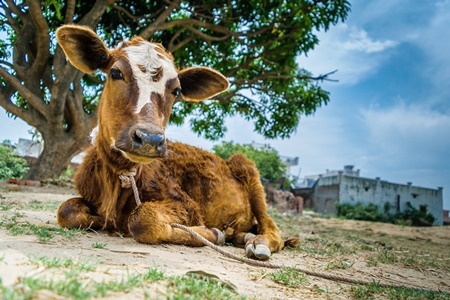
201	83
84	49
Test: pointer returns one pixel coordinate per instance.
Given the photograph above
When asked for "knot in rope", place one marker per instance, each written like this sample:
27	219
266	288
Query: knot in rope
126	177
127	181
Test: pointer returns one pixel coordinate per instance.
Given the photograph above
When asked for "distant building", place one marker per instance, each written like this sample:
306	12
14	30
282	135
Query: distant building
446	218
30	150
321	192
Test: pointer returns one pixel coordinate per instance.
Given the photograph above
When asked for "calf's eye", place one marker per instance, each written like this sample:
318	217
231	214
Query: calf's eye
116	74
176	92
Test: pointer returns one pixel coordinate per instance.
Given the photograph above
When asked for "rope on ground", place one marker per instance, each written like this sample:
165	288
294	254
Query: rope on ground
258	263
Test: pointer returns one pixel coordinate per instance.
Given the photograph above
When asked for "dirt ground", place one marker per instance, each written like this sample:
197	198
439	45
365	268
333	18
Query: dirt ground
122	255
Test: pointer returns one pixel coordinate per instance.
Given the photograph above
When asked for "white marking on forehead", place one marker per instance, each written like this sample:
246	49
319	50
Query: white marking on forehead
146	55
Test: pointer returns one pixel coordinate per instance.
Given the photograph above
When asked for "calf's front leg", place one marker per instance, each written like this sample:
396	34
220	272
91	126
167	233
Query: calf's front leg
149	223
77	213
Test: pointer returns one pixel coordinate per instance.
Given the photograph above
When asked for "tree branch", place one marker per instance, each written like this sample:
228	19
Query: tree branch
31	98
69	11
43	39
86	121
59	60
6	63
15	110
92	18
181	44
60	91
205	36
212	27
15	9
253	101
11	20
126	12
122	19
24	36
150	30
172	40
324	77
225	98
47	77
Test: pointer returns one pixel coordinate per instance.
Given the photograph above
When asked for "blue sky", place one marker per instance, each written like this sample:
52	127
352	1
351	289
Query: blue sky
389	114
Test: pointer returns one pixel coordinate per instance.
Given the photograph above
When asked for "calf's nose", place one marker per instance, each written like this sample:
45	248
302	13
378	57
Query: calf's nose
143	138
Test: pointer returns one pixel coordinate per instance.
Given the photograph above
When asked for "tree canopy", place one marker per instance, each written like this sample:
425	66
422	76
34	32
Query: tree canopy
254	43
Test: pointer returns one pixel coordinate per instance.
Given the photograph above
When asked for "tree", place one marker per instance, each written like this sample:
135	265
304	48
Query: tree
266	159
253	42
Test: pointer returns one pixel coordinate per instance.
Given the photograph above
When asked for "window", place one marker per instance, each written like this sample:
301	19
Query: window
423	208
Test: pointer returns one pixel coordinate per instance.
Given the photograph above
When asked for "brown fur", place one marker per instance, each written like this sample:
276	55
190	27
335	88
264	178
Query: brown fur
186	185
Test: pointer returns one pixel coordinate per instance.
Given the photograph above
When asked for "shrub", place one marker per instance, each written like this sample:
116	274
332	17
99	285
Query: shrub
67	174
11	166
371	212
360	212
418	218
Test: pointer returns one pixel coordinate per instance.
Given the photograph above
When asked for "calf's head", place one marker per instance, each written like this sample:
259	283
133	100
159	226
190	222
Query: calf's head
142	85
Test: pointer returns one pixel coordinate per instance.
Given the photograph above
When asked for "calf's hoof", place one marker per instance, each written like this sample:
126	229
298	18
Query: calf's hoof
256	247
260	251
220	237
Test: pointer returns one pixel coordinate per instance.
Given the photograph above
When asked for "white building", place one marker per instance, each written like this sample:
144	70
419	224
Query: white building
346	186
31	148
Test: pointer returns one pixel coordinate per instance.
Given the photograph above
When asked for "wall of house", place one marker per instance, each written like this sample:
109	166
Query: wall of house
325	195
380	192
29	148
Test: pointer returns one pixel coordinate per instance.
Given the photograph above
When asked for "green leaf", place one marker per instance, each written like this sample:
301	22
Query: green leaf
214	279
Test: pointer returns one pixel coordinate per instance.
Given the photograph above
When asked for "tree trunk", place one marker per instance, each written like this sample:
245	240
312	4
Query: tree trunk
57	154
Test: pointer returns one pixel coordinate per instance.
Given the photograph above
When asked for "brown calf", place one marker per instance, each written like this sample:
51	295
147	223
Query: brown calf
220	200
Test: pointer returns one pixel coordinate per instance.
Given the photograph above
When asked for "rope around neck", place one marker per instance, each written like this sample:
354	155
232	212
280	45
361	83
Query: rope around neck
127	181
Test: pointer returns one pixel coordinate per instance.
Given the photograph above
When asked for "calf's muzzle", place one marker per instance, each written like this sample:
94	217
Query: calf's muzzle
148	144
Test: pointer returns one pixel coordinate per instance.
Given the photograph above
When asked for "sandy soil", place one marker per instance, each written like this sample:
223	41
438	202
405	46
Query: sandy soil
123	255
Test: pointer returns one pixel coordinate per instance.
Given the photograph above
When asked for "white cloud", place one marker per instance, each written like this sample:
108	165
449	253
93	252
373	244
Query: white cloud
434	42
360	42
350	50
414	131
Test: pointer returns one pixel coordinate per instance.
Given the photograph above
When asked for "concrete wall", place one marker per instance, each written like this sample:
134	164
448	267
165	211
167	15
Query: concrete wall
29	148
380	192
325	195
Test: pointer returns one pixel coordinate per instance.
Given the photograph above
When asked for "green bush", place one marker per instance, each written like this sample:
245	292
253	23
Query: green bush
360	212
67	174
418	218
371	212
11	166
